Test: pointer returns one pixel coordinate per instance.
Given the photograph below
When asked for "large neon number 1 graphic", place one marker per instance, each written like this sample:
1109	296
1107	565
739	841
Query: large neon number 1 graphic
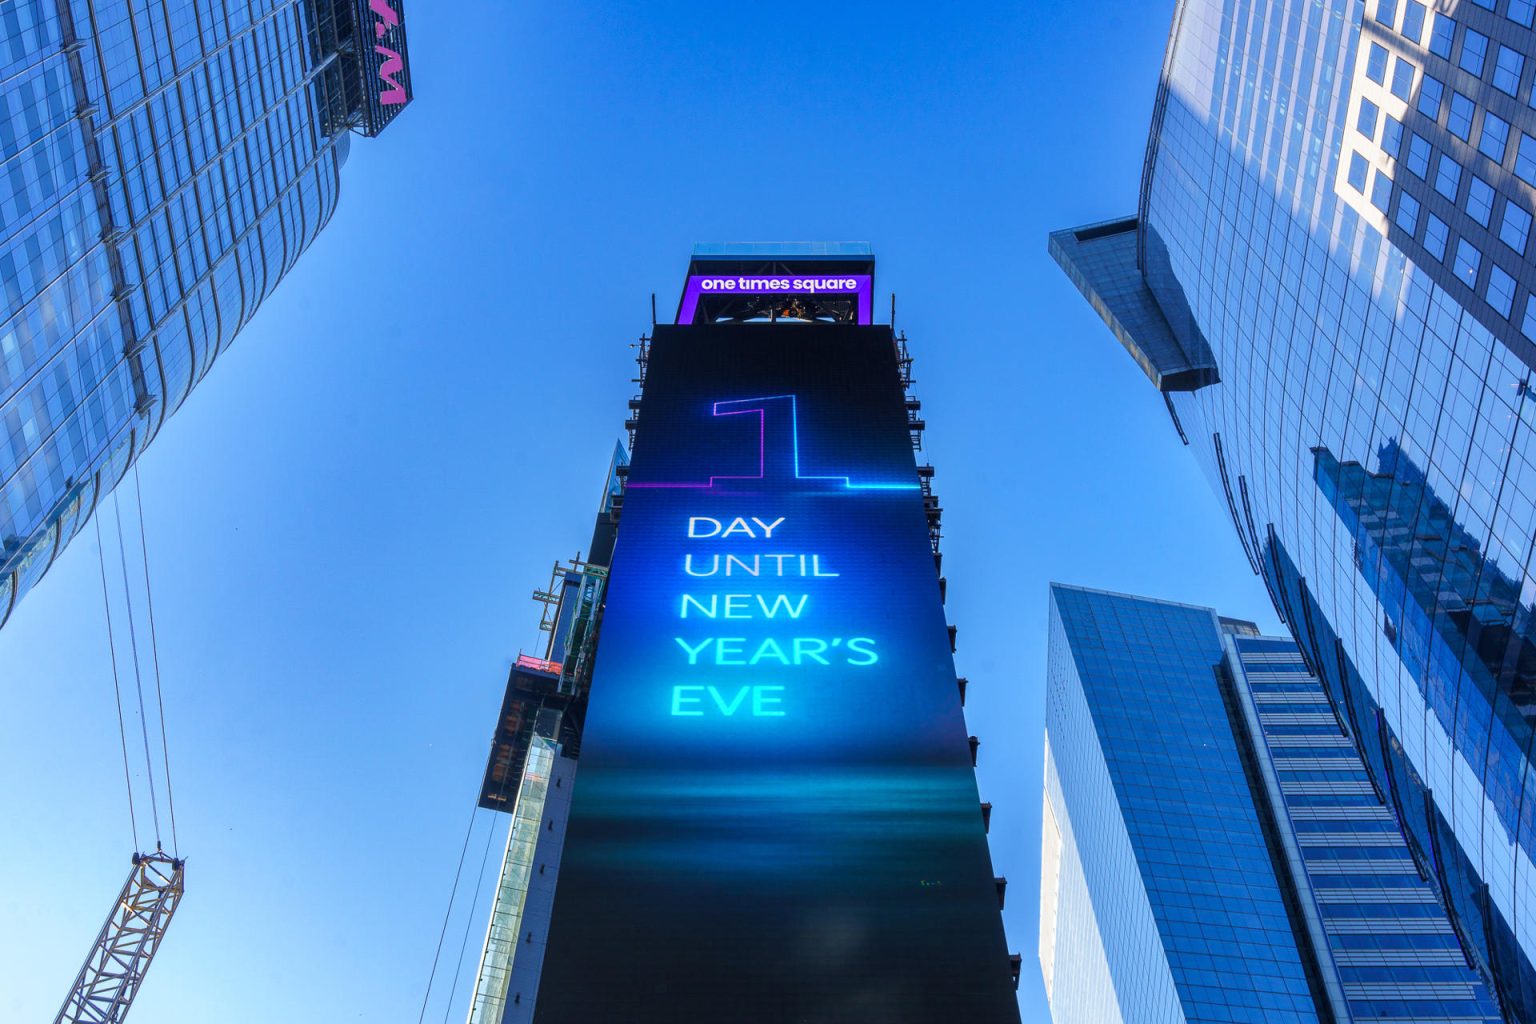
778	449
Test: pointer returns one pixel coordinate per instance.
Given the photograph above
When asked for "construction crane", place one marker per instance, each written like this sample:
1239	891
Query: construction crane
106	985
114	970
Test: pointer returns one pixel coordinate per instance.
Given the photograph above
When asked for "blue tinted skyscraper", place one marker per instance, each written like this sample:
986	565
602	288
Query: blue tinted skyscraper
163	163
1329	278
1214	848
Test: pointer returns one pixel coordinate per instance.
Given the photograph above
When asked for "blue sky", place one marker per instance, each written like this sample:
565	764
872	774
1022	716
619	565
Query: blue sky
348	516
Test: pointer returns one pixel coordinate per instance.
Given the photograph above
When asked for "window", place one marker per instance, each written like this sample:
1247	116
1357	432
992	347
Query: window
1460	121
1386	12
1436	234
1381	192
1443	35
1507	69
1430	96
1357	171
1521	11
1392	137
1418	155
1480	200
1468	259
1494	141
1488	4
1529	327
1376	64
1366	122
1516	229
1408	213
1402	79
1474	52
1448	180
1413	21
1501	290
1525	160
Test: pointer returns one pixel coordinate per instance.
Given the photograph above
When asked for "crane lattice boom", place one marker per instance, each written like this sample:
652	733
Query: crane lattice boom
106	985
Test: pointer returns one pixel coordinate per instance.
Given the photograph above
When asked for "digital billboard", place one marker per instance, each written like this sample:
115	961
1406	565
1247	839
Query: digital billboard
775	817
858	287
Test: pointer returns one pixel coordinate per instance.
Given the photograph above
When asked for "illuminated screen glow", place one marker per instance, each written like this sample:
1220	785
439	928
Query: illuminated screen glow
699	285
775	816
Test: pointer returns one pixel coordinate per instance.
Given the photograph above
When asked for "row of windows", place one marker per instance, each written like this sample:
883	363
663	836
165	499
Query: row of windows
1415	16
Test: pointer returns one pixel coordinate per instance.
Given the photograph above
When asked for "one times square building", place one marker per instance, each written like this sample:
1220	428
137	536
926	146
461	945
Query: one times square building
739	779
163	163
1329	279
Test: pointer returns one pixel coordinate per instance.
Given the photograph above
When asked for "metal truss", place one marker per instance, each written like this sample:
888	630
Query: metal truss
106	985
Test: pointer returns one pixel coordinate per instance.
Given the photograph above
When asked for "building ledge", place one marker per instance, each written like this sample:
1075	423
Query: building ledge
1100	259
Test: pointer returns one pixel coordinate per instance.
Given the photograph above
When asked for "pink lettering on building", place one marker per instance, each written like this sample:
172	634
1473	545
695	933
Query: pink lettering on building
393	65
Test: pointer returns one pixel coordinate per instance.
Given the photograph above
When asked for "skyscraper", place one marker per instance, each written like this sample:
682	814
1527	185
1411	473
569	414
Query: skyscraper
1213	846
739	779
1329	280
163	164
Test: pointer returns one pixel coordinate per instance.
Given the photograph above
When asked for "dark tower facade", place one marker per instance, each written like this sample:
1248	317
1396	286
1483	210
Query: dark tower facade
773	813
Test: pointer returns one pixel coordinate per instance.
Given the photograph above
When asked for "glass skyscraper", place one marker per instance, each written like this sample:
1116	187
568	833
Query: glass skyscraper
1213	846
1329	279
163	163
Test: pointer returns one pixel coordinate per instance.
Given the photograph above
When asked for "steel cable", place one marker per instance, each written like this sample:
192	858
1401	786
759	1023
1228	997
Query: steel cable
154	646
138	676
122	726
447	915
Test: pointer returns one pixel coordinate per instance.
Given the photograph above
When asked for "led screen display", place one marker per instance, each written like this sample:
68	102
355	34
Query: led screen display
775	816
824	285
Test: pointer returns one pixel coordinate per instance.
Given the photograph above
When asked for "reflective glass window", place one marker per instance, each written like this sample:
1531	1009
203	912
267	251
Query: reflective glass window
1468	260
1436	235
1408	213
1381	192
1413	21
1392	137
1494	141
1501	290
1525	160
1386	12
1474	53
1448	177
1522	11
1357	171
1528	328
1376	64
1442	37
1507	69
1365	123
1418	155
1480	200
1460	121
1402	79
1515	230
1430	97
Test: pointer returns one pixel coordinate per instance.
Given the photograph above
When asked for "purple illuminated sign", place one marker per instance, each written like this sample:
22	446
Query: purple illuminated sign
700	285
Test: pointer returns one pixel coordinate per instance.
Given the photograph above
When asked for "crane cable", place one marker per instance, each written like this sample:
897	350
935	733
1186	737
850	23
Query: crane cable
128	587
154	646
138	676
453	896
122	727
447	916
469	919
